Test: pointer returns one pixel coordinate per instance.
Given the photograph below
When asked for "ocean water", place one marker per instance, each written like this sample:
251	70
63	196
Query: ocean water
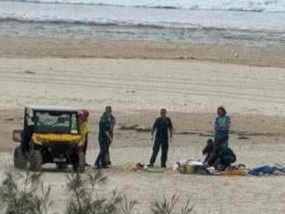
250	22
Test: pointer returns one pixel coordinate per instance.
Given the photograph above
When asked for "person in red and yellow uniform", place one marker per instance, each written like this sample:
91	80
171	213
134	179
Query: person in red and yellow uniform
83	128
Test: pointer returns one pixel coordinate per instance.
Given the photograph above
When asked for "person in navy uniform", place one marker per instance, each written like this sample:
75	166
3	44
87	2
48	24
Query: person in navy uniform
163	129
105	139
108	115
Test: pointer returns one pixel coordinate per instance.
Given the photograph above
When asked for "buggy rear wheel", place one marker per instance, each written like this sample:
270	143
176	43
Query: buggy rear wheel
36	160
20	160
79	166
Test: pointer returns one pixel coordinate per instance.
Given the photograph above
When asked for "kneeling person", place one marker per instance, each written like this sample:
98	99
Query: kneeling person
208	150
225	157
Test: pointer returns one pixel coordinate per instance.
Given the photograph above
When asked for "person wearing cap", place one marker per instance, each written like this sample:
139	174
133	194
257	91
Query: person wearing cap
108	115
83	128
105	138
162	128
222	127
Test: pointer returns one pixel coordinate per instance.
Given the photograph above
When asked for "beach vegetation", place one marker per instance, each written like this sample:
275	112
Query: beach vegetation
26	193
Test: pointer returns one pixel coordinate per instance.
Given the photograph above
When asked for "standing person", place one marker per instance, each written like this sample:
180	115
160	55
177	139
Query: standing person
222	127
108	115
83	127
105	139
161	127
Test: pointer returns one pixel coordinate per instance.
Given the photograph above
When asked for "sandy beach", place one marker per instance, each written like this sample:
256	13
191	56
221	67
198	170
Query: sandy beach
139	78
239	53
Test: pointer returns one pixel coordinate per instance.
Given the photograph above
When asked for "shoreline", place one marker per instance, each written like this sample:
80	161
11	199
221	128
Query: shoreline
40	47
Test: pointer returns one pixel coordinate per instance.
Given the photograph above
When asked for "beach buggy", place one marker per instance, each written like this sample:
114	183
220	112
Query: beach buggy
50	134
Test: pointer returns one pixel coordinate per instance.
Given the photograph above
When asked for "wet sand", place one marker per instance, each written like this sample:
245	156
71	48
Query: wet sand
51	47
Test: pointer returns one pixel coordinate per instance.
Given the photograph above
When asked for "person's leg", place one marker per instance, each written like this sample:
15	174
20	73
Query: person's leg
164	151
222	139
212	158
104	145
155	151
99	157
105	151
218	165
85	144
107	158
226	141
85	149
227	160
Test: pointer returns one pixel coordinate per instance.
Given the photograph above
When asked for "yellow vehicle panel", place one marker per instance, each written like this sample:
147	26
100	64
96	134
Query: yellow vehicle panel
62	138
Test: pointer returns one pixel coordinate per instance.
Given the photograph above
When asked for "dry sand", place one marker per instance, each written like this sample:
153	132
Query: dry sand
137	88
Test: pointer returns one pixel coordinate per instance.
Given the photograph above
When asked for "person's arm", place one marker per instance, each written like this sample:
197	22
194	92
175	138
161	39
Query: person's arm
114	120
154	127
107	130
84	132
170	128
205	150
228	124
108	134
216	126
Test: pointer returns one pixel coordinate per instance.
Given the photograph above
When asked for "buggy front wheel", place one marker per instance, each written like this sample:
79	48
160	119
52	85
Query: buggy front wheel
36	160
20	160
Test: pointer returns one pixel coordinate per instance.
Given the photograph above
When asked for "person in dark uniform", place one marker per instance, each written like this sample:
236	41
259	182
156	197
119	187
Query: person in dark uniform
107	115
105	139
208	150
221	158
225	157
161	127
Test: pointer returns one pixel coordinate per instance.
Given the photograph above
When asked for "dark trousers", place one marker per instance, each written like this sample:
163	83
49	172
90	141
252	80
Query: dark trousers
107	156
164	150
85	144
221	138
104	147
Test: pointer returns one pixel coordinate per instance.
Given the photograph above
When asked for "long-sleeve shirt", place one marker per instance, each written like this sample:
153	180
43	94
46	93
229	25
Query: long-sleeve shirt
222	127
223	123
